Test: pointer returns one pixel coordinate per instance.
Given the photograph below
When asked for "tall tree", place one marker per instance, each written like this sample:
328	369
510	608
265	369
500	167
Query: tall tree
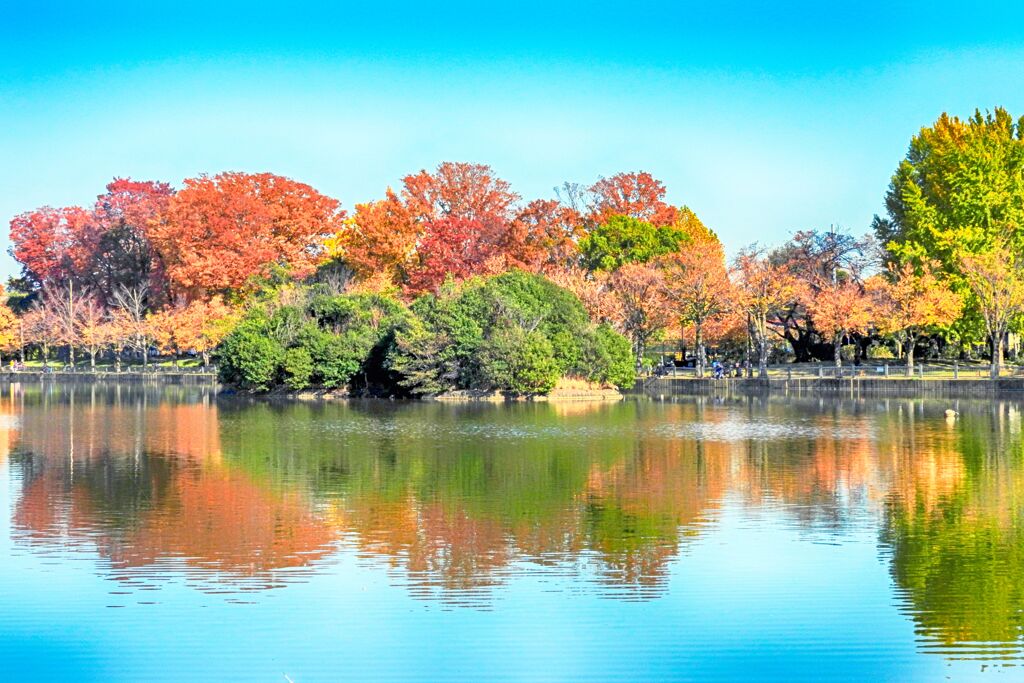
624	239
762	288
696	285
839	307
220	231
996	281
52	245
959	190
909	302
637	195
645	312
459	190
122	255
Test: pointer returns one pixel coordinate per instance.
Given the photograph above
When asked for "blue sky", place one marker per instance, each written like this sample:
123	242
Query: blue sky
765	118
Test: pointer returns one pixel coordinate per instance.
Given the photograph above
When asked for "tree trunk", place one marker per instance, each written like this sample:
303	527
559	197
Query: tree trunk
640	348
92	359
206	360
837	350
46	355
997	354
117	360
762	356
911	343
698	337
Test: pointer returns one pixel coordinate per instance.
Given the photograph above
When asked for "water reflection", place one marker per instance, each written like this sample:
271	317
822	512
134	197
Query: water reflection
456	501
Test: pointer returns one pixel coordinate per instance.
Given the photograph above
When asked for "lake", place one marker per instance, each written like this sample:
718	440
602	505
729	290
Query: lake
167	534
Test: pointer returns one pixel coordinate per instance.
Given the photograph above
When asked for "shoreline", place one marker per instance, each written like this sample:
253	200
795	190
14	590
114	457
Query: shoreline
910	387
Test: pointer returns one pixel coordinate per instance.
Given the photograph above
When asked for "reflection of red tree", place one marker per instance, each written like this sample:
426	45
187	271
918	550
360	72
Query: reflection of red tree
193	508
223	520
439	546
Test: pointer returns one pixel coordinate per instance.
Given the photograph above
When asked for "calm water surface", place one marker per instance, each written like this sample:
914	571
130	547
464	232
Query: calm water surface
164	534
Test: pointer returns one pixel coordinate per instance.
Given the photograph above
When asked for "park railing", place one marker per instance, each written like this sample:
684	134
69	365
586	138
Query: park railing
864	369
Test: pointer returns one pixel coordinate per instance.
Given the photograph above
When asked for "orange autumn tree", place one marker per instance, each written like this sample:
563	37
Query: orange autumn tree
220	231
639	289
378	240
839	307
909	302
542	236
762	288
696	285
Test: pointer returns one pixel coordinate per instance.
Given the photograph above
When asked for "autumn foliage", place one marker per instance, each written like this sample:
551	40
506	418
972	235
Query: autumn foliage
149	266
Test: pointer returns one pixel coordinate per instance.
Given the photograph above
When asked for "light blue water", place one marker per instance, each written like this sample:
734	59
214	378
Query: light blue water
169	536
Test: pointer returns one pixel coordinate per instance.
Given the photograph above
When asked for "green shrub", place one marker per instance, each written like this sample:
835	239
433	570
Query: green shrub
880	352
609	358
298	368
519	362
248	357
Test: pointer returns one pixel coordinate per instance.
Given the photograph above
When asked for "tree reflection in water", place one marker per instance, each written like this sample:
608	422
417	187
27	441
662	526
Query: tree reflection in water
455	500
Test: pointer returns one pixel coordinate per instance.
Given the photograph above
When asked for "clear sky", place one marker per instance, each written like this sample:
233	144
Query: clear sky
764	117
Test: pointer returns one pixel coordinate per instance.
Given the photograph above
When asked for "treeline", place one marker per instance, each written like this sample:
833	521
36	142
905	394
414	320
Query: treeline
151	266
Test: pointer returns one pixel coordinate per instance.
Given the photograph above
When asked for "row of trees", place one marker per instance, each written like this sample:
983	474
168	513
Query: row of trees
77	320
945	262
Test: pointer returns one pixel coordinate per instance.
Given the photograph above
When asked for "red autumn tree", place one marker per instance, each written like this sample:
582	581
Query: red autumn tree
456	247
459	190
53	245
122	255
220	231
542	237
639	195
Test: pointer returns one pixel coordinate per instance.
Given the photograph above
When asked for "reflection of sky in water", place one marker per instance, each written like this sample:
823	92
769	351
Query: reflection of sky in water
635	541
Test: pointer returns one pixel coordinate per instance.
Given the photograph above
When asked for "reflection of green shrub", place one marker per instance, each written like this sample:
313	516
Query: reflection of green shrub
298	368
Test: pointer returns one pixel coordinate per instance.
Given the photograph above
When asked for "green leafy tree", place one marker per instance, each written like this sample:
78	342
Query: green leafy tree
624	239
958	192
